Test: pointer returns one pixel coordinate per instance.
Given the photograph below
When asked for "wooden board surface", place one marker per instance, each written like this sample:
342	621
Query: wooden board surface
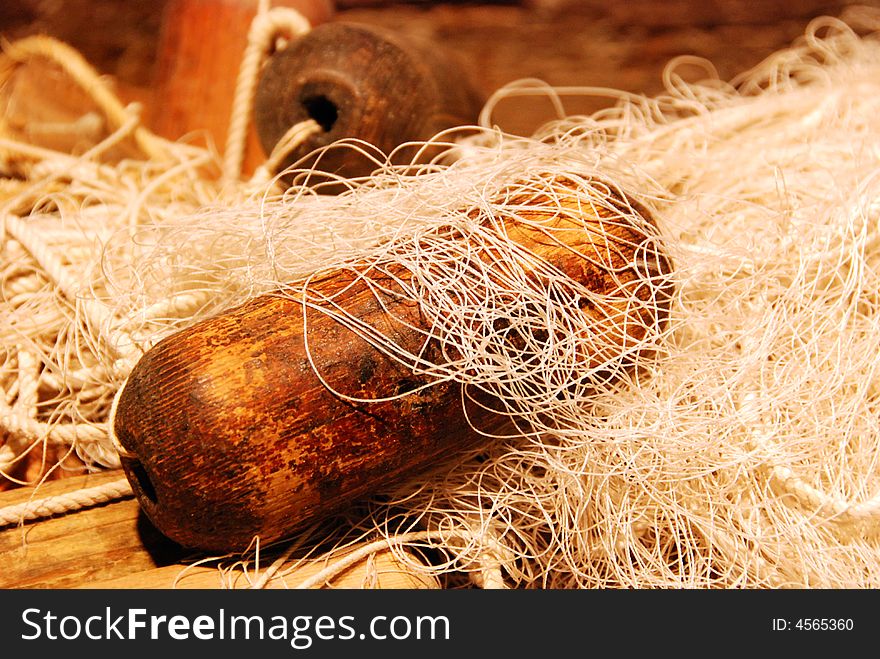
79	548
114	546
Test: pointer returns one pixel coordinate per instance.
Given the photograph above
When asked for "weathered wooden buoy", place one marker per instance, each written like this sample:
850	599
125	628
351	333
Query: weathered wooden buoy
362	82
228	433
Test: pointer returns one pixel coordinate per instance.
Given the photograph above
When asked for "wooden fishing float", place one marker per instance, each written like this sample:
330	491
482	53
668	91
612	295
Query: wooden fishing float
231	429
361	82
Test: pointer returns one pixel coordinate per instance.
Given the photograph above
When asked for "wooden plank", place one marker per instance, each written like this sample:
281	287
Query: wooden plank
113	545
68	550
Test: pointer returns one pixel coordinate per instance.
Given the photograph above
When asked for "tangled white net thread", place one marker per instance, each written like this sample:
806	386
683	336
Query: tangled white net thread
743	455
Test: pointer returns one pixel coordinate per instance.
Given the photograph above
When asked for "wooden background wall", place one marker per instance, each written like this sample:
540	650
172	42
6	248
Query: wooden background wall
564	42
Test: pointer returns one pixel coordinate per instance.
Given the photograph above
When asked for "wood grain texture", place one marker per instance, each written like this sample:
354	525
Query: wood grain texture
66	551
619	45
235	436
382	571
114	546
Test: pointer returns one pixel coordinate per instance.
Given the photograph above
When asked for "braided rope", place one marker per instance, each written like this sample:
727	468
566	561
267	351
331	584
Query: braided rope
28	383
62	434
65	503
839	510
295	135
491	576
84	75
265	28
98	315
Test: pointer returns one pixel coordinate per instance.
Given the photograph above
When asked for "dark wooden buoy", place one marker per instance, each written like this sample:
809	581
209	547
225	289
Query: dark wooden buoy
362	82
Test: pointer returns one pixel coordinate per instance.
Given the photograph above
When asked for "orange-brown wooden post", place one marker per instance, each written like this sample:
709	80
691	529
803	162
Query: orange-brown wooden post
200	50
